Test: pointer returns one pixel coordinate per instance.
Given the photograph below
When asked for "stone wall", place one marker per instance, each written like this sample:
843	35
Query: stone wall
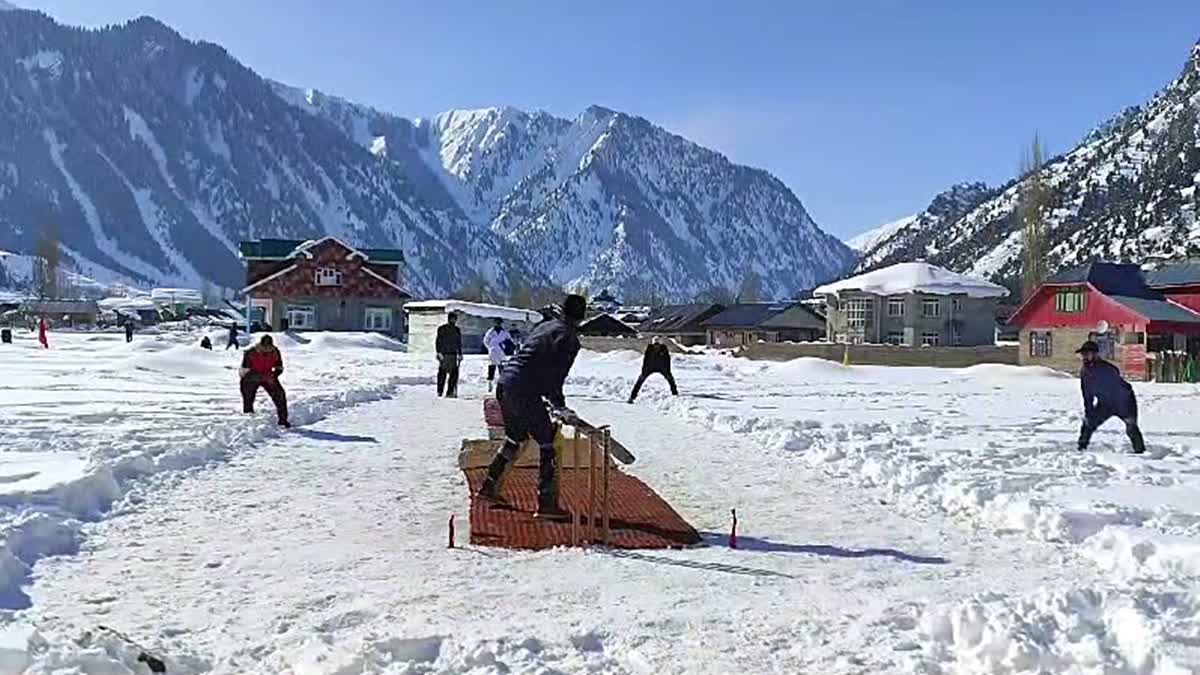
884	355
612	344
1064	342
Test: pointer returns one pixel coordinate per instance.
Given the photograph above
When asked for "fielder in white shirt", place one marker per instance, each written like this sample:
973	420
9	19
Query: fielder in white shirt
500	345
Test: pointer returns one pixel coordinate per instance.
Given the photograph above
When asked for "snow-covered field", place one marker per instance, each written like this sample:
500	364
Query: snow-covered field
891	520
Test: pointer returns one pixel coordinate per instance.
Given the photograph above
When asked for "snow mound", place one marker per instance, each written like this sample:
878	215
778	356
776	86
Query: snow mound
808	366
1002	371
915	277
334	341
1076	631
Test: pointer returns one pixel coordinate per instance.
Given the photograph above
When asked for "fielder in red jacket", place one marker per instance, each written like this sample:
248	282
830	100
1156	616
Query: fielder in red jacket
261	367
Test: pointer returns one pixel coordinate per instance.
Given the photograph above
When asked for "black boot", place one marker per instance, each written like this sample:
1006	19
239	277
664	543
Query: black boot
490	490
548	508
1135	437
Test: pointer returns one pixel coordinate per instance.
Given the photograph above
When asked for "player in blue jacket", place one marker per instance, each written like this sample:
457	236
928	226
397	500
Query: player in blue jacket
1106	394
531	378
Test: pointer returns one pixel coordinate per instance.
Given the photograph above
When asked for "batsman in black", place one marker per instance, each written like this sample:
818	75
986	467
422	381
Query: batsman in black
531	378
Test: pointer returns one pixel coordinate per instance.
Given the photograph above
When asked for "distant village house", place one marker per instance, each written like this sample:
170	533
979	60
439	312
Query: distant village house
324	285
748	323
682	323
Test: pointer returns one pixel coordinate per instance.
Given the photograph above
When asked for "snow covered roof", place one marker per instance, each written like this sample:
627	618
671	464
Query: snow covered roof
914	277
142	303
175	295
478	309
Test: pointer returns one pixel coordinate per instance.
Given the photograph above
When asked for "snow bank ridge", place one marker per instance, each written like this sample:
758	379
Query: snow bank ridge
51	522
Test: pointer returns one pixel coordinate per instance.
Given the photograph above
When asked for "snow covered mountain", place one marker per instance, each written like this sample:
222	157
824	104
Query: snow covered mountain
1128	192
606	200
908	240
869	239
152	155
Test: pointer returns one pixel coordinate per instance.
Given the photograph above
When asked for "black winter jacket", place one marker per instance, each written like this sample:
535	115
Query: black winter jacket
1103	386
449	340
540	366
657	359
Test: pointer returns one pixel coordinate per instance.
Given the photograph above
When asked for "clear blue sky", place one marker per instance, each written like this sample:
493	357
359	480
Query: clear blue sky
865	109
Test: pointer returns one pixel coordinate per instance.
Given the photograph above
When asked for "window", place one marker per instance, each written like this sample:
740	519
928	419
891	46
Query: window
956	335
956	305
379	318
1133	338
895	338
931	339
931	307
327	276
1071	300
301	317
895	307
1041	344
858	311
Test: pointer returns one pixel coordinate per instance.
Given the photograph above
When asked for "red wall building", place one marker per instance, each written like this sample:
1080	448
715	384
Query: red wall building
1111	304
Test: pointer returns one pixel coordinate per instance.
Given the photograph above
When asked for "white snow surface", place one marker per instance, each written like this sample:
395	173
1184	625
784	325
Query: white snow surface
871	238
915	277
892	520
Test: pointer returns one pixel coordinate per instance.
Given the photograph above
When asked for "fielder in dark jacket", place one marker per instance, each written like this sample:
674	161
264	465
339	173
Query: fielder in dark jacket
1106	394
530	378
656	360
449	354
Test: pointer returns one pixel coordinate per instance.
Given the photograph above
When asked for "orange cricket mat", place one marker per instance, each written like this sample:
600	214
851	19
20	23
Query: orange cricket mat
638	518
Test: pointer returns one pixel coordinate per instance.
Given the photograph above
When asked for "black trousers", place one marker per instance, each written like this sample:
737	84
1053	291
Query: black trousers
647	373
526	417
447	377
250	387
1101	414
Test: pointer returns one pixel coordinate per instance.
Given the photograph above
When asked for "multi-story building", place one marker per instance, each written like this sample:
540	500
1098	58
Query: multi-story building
912	304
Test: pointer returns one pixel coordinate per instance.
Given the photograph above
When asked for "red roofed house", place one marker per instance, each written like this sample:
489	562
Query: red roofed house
1110	303
324	285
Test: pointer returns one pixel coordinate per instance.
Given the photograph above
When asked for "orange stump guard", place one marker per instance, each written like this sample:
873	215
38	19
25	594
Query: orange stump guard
638	517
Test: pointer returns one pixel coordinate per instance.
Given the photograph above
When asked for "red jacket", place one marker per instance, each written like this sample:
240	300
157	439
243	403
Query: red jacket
262	362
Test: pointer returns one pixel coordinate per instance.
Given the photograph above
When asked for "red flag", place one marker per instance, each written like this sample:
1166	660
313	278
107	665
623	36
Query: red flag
42	334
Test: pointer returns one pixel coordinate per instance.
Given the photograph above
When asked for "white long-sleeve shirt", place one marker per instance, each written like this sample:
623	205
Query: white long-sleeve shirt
492	341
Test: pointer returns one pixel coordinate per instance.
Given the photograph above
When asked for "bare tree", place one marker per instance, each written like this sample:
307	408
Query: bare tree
474	290
520	293
209	294
751	288
540	296
1034	202
716	295
47	268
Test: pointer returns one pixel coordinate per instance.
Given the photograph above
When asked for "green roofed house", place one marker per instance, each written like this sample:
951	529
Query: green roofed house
324	284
